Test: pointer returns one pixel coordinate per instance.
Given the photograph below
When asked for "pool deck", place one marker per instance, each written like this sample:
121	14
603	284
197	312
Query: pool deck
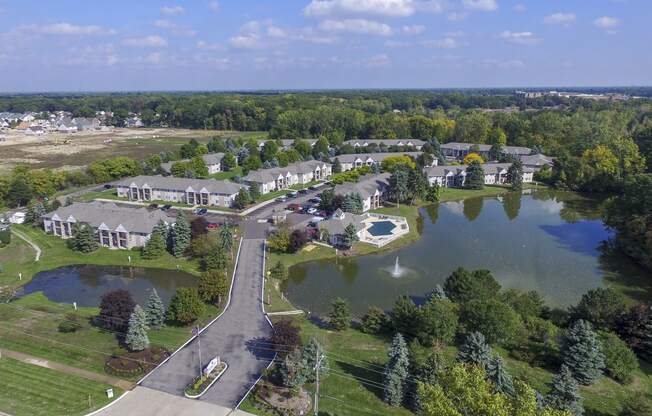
400	229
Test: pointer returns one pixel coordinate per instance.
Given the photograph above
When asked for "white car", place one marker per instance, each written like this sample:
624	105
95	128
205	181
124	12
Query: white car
311	210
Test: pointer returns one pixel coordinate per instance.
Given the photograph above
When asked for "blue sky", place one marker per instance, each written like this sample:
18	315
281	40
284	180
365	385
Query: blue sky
83	45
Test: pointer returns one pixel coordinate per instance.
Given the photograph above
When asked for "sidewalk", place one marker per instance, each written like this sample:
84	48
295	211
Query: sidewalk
101	378
28	241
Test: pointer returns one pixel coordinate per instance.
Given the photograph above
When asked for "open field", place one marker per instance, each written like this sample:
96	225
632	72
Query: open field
29	390
68	151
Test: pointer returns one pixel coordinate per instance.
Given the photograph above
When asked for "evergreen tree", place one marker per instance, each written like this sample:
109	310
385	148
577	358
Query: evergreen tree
225	238
438	293
241	199
417	184
337	166
515	175
215	260
564	394
497	373
83	238
312	352
474	176
404	315
340	315
495	152
350	235
581	352
374	321
646	341
155	311
637	405
398	184
396	372
155	246
278	271
180	234
475	350
19	192
136	338
228	162
254	192
34	213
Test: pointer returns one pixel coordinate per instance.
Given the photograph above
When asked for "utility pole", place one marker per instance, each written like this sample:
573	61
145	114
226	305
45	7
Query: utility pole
317	366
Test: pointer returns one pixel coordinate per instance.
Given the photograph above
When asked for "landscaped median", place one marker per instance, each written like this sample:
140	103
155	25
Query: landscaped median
210	374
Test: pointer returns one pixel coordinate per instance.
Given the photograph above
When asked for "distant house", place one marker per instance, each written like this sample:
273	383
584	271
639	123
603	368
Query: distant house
35	131
537	161
358	160
287	144
213	162
454	176
336	226
372	188
414	143
299	173
134	122
86	123
208	192
115	226
66	125
457	151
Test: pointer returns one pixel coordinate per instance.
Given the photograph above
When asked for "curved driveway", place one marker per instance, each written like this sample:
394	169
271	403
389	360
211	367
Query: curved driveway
238	336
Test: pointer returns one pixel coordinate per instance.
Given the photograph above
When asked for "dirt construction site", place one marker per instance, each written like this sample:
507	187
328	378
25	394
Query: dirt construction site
76	150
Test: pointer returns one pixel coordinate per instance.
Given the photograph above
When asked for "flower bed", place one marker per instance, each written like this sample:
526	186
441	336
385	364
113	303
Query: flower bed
132	364
200	385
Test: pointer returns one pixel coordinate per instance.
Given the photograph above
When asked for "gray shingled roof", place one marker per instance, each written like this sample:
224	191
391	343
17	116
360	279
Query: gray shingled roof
512	150
209	159
337	226
537	160
269	175
387	142
378	157
96	213
366	185
181	184
489	169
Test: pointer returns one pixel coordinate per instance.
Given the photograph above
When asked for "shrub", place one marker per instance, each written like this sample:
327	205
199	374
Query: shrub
286	337
185	306
603	307
213	286
437	322
374	321
463	285
339	316
115	310
497	321
71	324
298	239
620	361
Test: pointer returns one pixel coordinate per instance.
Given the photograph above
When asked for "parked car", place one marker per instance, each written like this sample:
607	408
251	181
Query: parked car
303	191
315	200
281	199
108	186
200	211
293	194
212	226
294	207
166	207
312	188
312	210
153	206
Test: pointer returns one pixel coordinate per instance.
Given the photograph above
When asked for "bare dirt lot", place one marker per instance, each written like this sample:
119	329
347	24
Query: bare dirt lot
70	151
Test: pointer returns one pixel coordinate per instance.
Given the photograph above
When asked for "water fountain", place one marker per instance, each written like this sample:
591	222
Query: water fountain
398	270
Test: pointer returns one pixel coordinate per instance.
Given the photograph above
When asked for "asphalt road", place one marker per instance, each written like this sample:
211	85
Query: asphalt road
238	337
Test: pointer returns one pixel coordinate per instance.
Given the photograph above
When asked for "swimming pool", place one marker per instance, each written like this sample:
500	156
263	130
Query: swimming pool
381	228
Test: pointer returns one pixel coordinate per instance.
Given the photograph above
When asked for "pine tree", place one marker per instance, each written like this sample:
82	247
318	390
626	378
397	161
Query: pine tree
241	199
312	352
155	311
475	350
646	341
515	175
340	315
474	176
564	394
498	375
155	246
582	354
136	338
396	372
83	239
438	293
254	192
350	235
34	214
225	238
337	166
180	235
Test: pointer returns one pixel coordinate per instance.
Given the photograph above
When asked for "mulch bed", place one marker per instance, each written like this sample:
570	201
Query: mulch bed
131	364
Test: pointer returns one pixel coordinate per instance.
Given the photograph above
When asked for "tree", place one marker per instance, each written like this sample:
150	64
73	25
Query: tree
254	192
475	350
350	235
472	157
398	184
198	167
433	193
229	162
213	285
404	315
498	375
564	394
337	166
637	405
495	152
582	353
396	372
225	238
374	321
340	314
620	361
474	176
497	136
180	234
311	353
83	238
497	321
116	307
198	226
631	326
603	307
463	285
417	184
298	239
185	306
155	311
19	192
286	337
278	271
279	241
320	148
155	246
136	338
34	213
242	199
515	175
215	260
437	322
391	163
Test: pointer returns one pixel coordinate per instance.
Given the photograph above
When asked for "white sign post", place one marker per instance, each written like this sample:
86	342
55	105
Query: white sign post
211	366
109	393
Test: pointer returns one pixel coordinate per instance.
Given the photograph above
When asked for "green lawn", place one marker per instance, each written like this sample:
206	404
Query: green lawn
29	390
237	171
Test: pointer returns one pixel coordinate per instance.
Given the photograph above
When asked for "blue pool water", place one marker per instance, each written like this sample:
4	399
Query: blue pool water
381	228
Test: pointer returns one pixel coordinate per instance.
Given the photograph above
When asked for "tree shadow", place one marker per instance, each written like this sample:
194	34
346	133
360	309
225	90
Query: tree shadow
318	321
632	280
261	348
367	378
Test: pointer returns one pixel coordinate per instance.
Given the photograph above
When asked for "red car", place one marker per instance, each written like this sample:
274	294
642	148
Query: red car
212	226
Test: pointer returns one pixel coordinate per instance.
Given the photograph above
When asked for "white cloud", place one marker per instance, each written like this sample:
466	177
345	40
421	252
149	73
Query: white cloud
214	6
564	19
378	61
606	22
506	64
248	41
173	28
172	10
210	46
413	29
520	8
480	5
521	38
446	43
276	32
394	8
358	26
153	58
70	29
457	16
152	41
456	34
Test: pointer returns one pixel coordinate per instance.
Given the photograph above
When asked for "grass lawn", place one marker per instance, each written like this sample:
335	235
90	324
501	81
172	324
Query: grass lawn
237	171
29	390
14	258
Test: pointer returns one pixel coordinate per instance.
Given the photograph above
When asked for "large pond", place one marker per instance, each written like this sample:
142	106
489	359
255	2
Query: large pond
85	284
547	241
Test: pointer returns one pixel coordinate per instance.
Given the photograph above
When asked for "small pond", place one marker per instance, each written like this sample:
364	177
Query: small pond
85	284
551	242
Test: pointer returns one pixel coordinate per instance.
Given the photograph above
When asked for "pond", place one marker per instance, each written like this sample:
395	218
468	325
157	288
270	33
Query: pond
551	242
85	284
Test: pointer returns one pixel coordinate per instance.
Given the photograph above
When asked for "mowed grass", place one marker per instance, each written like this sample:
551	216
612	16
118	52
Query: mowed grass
14	258
29	390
